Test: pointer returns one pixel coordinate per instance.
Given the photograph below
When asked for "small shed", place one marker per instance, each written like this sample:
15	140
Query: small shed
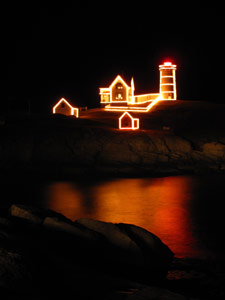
126	121
65	108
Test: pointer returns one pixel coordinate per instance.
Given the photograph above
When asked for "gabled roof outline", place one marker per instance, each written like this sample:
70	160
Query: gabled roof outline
71	107
133	120
118	77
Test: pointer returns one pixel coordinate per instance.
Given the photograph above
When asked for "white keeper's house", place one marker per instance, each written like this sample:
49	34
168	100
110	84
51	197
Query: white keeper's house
121	96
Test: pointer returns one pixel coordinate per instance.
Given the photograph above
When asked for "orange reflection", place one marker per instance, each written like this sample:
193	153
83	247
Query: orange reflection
160	205
64	198
171	219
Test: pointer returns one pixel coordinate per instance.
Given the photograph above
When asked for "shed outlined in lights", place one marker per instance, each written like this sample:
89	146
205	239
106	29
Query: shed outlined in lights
127	122
65	108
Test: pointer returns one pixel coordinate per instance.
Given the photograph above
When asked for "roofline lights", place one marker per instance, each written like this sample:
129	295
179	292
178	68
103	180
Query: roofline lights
134	109
134	121
119	78
167	65
167	91
74	110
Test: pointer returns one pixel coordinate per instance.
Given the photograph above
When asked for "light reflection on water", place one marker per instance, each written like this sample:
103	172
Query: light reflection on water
160	205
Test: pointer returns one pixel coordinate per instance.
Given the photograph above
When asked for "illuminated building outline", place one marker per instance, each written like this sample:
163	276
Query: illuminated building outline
168	81
133	108
117	80
73	110
143	102
134	122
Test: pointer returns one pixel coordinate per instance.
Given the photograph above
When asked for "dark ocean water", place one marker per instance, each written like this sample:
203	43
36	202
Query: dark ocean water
185	212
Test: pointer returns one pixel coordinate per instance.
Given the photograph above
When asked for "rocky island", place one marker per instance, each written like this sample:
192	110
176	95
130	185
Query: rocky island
175	137
43	254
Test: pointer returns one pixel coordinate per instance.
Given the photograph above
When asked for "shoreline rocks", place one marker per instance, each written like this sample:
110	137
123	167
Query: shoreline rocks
85	251
61	146
43	254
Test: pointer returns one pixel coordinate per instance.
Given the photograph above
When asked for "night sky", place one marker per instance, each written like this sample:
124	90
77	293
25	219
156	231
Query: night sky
70	51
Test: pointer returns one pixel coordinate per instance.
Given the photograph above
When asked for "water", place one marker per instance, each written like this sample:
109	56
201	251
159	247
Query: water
185	212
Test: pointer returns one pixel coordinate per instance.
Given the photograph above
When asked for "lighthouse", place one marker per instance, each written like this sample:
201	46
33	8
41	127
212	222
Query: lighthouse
167	87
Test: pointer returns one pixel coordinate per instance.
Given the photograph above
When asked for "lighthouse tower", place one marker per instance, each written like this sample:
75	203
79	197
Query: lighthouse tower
167	87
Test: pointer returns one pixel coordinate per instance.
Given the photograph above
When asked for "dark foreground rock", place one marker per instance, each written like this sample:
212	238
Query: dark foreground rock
14	273
155	293
44	255
83	256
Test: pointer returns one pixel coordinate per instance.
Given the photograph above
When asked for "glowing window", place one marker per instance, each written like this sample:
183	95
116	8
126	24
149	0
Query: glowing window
119	86
119	96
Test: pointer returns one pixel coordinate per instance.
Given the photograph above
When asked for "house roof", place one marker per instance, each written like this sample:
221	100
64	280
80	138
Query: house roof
118	78
123	78
69	103
63	100
126	114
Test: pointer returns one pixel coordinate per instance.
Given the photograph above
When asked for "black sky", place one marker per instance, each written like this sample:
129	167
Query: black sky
70	51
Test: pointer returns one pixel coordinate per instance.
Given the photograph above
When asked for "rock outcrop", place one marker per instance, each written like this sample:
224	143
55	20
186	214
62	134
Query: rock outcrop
180	137
156	293
58	252
44	255
14	272
97	150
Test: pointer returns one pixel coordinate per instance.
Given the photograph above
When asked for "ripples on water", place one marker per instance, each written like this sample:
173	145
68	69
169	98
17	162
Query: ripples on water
186	212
